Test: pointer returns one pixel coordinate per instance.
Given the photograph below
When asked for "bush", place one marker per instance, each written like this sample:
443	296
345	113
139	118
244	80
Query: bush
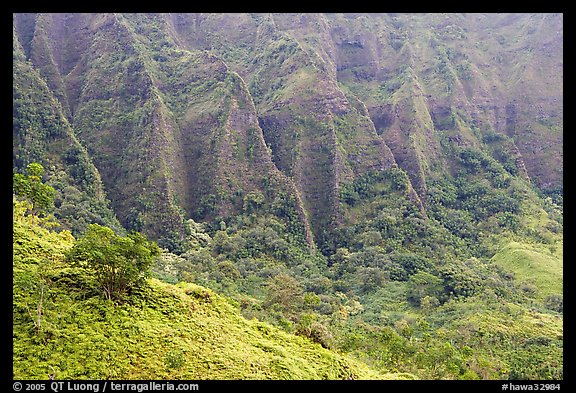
554	302
309	327
119	264
460	280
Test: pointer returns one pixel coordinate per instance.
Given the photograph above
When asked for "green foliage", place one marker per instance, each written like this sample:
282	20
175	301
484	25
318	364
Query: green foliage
172	331
33	188
308	326
460	280
37	253
253	201
176	360
424	285
120	265
373	184
449	268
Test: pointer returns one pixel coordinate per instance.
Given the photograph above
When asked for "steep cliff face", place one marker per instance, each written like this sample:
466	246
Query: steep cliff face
42	133
429	80
184	115
386	185
423	83
319	137
173	132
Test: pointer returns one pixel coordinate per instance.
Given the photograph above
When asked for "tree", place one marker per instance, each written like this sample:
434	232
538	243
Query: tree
253	201
120	264
309	326
285	292
32	188
423	284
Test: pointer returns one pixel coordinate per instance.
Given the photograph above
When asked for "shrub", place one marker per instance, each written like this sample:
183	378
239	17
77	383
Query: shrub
119	264
423	285
554	302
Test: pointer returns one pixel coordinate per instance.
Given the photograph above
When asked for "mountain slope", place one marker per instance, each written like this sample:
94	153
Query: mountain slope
318	137
173	120
76	334
42	133
387	185
332	97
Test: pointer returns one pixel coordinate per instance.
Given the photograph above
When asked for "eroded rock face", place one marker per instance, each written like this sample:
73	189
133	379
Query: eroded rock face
471	80
191	111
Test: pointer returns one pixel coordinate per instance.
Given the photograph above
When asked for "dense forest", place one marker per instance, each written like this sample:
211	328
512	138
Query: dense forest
288	196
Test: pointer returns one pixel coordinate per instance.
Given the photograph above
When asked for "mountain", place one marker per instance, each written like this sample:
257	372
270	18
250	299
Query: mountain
42	133
165	103
399	169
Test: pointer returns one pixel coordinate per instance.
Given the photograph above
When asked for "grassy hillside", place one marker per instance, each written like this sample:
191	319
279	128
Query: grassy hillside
165	331
533	265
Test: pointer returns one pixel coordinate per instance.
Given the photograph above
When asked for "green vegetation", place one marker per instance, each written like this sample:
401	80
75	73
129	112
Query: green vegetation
160	331
303	196
120	264
396	290
32	188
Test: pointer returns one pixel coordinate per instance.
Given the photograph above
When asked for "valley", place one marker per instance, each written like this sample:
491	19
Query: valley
333	196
